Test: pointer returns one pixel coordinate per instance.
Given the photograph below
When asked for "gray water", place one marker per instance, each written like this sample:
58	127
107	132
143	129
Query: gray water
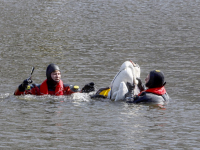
89	40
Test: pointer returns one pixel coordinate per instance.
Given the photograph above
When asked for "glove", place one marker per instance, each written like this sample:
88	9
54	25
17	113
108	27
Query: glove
140	86
24	84
88	88
131	99
130	89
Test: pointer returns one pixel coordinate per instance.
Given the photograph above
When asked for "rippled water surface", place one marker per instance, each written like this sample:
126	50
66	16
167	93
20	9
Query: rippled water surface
89	40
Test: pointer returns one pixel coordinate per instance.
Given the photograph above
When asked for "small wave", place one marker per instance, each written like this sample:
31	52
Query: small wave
76	97
5	95
80	97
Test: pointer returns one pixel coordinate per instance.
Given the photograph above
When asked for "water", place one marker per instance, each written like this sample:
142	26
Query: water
89	40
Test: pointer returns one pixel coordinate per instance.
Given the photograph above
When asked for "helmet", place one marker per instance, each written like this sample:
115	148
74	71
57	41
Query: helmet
156	79
51	68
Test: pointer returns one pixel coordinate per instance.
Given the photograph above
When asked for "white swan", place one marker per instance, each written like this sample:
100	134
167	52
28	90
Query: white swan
128	72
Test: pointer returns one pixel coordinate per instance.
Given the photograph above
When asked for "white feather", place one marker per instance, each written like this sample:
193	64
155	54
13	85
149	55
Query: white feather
127	73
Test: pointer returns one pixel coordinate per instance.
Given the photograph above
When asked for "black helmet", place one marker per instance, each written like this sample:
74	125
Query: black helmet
51	68
156	79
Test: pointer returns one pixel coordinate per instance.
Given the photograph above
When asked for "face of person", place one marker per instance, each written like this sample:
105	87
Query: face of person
56	76
147	78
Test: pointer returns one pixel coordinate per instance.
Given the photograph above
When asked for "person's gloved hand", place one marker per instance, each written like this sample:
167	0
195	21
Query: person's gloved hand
24	84
130	88
88	88
132	99
140	86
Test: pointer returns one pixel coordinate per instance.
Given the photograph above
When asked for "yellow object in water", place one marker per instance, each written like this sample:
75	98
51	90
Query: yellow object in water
105	92
76	87
28	87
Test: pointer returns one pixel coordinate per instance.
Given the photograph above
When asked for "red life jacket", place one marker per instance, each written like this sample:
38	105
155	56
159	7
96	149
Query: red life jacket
158	91
58	91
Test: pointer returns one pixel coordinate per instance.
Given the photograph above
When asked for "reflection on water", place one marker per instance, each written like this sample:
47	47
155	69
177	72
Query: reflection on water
89	40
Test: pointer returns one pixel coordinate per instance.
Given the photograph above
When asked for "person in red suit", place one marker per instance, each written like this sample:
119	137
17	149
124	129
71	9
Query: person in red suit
53	85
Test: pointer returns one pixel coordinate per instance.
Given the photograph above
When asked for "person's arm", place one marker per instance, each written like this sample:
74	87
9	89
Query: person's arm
140	99
22	87
137	99
18	91
140	86
70	89
32	89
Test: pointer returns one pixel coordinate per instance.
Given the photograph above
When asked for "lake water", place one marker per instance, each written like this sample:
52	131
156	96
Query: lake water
89	40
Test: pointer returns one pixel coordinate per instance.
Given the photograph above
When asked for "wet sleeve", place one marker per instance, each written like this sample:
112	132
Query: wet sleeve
140	99
70	89
33	90
18	92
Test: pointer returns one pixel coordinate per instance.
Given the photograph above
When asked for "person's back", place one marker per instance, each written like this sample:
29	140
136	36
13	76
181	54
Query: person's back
152	98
